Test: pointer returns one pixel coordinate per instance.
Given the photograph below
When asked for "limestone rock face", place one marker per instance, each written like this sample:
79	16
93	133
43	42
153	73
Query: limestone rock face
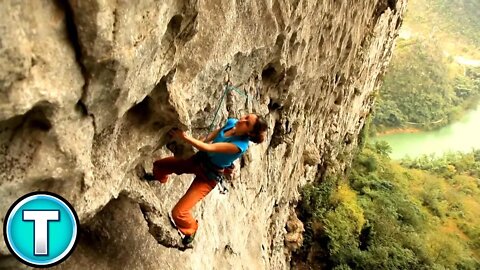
90	88
295	230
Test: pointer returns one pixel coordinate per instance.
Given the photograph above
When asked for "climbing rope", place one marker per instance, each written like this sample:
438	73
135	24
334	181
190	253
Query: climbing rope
228	87
225	92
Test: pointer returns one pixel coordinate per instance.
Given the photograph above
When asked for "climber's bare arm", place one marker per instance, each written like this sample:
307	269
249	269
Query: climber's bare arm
227	148
211	136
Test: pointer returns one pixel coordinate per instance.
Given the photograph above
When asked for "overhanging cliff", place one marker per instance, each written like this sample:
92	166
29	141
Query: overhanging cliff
89	89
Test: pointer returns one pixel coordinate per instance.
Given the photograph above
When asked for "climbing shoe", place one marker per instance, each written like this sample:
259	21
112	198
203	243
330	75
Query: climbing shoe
149	177
188	239
142	174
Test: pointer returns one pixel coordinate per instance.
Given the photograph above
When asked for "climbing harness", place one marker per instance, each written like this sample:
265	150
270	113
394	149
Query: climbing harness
212	171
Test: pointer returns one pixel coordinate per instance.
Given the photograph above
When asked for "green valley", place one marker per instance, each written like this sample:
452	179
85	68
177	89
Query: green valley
417	214
434	77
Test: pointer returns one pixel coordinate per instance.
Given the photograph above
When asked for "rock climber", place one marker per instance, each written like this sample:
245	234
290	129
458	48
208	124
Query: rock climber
216	154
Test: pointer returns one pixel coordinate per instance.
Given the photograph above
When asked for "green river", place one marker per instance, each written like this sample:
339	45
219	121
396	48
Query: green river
460	136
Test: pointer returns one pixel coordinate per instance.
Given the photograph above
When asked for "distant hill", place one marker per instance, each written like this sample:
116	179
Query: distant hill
433	77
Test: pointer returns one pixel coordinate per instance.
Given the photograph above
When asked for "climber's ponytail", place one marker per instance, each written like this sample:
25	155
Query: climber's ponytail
257	135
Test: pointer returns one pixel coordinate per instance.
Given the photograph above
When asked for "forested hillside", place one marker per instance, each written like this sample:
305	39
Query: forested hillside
460	17
421	214
426	86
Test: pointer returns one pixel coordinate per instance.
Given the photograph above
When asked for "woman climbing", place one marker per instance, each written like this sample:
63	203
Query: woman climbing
227	144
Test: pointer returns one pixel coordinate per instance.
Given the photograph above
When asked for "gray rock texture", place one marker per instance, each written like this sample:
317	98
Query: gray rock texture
89	88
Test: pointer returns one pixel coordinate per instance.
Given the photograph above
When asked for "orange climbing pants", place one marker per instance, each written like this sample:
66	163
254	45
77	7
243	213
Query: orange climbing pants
199	188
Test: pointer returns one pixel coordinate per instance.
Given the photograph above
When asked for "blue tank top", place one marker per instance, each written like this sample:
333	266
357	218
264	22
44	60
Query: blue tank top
225	160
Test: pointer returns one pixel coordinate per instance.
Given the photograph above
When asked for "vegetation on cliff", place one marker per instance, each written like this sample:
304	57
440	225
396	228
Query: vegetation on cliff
420	214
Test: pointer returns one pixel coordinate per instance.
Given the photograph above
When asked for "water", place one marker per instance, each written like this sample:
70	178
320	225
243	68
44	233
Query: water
460	136
467	62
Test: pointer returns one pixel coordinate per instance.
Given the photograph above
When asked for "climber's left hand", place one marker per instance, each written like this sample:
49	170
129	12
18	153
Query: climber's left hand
178	133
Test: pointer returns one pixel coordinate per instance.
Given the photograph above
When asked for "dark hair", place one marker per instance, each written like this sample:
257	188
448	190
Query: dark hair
257	135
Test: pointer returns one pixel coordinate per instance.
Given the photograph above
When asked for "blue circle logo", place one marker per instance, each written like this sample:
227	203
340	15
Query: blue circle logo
40	229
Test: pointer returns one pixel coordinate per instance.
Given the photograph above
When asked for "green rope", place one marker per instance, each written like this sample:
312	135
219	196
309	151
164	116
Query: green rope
225	92
243	93
227	89
238	91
